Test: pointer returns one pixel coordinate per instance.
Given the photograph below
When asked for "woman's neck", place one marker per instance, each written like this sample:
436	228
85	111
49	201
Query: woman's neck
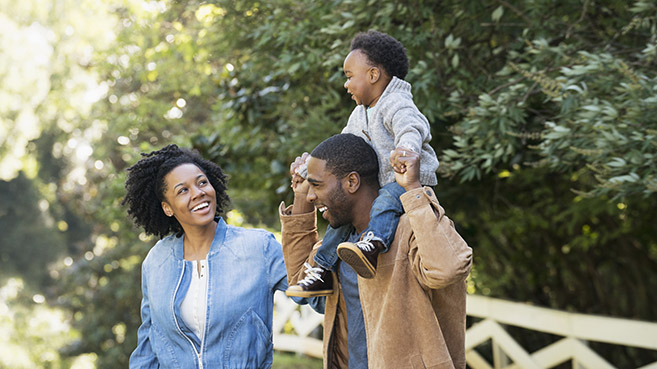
197	241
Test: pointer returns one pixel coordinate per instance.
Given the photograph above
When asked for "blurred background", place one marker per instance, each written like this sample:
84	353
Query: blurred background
543	113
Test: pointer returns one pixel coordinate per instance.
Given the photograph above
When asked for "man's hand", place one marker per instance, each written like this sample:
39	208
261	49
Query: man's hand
406	165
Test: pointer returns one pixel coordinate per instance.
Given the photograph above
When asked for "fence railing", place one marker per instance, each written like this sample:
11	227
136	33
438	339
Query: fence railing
574	329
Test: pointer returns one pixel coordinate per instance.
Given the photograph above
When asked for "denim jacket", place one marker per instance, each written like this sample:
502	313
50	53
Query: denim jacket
245	268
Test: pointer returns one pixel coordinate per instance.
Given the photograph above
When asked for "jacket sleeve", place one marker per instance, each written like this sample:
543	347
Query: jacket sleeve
299	238
143	355
274	256
300	242
407	124
438	254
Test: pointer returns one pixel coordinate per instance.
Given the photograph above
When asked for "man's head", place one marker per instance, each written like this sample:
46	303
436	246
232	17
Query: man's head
342	170
374	59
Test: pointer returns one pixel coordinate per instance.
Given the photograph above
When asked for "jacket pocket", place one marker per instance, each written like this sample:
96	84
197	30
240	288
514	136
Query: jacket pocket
417	362
249	343
162	348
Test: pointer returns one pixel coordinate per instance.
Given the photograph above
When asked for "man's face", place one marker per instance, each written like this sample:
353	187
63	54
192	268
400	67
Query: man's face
357	70
326	193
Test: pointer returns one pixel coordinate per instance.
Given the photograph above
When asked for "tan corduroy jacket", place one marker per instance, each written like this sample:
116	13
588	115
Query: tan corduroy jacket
414	309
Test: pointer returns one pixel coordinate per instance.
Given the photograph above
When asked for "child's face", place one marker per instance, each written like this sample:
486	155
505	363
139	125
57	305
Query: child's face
358	70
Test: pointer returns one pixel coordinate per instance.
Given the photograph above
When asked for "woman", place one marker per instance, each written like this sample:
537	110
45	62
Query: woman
207	287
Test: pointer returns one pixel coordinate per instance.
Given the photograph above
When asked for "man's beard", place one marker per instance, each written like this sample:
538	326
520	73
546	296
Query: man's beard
338	208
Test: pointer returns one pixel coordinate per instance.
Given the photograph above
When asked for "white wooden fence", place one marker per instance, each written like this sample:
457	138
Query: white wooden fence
575	329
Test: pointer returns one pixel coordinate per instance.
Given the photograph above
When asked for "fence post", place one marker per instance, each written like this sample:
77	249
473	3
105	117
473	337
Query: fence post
500	359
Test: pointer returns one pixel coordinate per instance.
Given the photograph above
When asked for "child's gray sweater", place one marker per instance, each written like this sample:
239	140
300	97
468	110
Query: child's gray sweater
395	121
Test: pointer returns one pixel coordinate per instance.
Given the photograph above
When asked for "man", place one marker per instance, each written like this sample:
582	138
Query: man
413	310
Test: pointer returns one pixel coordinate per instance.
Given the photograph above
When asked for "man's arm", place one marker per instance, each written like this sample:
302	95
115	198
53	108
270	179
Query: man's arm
438	254
298	226
298	237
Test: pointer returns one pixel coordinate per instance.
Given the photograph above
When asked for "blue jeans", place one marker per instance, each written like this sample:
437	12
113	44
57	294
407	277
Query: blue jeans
384	217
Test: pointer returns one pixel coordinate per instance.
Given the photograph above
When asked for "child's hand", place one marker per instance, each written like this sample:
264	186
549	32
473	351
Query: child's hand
406	164
298	172
399	166
299	162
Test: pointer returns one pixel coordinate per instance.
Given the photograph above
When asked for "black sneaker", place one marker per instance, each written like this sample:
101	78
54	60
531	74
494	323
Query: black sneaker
362	255
318	282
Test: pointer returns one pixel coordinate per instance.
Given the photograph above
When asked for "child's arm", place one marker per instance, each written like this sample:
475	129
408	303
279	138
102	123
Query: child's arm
408	126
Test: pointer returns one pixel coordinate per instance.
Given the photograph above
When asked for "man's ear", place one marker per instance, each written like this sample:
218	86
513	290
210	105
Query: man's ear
352	182
168	211
374	74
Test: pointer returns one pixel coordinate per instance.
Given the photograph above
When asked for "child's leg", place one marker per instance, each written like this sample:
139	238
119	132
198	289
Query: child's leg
326	255
318	280
385	213
384	218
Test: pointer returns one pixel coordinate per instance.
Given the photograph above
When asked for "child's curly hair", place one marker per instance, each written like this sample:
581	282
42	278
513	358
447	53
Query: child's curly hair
145	188
382	50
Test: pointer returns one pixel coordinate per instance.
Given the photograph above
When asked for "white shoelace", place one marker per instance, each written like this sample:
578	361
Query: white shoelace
365	243
312	274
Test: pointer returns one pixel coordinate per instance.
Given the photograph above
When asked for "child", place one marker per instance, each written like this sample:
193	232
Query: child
387	118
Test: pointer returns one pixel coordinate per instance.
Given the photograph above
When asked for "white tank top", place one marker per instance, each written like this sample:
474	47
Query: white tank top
194	305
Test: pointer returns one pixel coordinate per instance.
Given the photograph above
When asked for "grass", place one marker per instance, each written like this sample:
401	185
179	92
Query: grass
285	360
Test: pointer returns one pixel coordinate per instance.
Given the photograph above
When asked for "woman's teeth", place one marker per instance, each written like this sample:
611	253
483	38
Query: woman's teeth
201	206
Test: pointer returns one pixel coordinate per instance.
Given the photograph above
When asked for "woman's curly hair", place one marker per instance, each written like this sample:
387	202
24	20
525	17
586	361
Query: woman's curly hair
383	50
145	188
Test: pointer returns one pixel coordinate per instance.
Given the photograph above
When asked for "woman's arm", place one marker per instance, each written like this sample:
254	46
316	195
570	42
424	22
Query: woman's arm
143	355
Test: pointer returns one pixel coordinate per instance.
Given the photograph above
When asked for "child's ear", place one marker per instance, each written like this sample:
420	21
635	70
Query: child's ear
374	74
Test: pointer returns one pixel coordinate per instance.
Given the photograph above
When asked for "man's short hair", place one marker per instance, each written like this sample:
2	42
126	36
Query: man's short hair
345	153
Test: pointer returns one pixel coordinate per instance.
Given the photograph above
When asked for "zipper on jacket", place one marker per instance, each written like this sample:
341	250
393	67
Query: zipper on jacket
173	309
207	308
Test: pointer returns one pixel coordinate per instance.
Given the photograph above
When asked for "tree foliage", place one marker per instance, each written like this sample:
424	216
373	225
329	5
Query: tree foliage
541	114
577	100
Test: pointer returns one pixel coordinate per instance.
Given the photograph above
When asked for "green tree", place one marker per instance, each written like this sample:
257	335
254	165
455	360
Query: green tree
47	88
574	97
541	113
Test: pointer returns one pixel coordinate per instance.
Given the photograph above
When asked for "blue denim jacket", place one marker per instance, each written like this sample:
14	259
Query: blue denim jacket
245	268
